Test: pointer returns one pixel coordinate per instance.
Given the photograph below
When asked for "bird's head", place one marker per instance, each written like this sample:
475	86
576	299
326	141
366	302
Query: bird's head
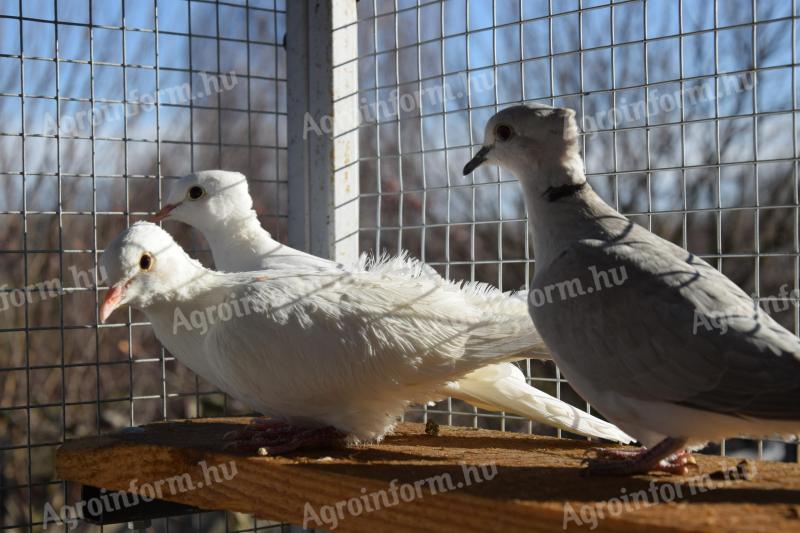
533	140
207	199
145	266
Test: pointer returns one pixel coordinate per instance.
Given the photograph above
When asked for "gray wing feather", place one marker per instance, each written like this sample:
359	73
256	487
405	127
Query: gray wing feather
677	330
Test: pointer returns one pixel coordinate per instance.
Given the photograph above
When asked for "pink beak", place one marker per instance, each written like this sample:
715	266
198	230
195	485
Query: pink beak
163	213
112	300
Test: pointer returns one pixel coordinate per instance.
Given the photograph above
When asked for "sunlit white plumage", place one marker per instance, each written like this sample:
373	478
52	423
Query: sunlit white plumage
219	205
674	353
302	348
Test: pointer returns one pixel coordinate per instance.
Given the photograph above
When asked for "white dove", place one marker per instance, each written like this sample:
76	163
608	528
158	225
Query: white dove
218	204
659	341
300	347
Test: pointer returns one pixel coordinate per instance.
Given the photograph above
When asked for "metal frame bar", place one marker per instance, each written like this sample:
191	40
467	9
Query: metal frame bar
323	128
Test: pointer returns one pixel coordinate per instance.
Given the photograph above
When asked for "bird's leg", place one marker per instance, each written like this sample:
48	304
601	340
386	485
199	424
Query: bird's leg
326	437
273	437
613	453
668	456
255	426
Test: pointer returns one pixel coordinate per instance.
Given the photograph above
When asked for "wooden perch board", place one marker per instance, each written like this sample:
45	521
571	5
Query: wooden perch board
535	479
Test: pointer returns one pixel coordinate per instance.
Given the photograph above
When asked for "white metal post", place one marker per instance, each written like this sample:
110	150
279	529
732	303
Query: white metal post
323	119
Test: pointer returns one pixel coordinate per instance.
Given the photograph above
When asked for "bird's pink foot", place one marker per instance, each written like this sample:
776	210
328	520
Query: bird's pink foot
273	437
631	464
667	456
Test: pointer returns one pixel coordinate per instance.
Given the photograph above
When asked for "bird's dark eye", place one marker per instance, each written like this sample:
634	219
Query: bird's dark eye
146	261
196	192
503	132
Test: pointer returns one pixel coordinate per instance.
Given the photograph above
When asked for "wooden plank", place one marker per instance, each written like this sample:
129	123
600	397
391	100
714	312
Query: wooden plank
525	484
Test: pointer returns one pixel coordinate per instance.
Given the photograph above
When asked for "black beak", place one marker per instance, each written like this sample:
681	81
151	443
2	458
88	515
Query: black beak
476	161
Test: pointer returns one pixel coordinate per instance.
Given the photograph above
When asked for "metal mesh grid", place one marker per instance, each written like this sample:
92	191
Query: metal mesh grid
716	175
100	101
709	164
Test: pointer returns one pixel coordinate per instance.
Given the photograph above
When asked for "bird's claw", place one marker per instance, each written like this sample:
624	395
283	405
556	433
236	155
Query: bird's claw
681	464
626	464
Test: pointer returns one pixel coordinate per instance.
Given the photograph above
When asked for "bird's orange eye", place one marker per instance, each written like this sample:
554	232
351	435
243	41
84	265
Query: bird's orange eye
503	132
196	192
146	261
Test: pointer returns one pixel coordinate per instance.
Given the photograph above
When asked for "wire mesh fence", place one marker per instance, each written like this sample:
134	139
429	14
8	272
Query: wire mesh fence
100	101
687	109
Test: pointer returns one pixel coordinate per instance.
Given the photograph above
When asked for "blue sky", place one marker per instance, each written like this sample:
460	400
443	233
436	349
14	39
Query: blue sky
459	50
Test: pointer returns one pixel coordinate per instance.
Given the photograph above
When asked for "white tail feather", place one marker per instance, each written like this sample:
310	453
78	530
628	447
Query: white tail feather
502	387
